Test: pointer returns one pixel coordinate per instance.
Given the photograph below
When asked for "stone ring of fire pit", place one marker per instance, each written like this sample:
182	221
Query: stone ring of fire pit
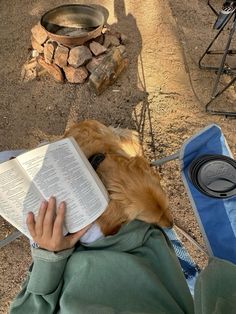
73	24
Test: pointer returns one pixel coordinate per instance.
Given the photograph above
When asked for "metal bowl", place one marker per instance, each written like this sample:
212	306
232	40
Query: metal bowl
73	24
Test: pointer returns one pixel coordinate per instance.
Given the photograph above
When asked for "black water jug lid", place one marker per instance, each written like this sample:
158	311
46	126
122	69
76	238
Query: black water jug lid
214	175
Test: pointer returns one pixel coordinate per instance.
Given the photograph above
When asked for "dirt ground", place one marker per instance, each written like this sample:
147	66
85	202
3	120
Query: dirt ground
162	94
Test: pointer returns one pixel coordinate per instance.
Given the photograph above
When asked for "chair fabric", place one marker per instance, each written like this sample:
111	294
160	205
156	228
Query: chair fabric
189	268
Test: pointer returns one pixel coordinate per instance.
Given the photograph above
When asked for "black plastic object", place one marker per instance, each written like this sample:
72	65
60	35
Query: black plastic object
229	6
96	159
214	175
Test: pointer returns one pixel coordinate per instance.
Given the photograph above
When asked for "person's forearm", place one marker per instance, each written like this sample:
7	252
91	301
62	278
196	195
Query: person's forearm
40	292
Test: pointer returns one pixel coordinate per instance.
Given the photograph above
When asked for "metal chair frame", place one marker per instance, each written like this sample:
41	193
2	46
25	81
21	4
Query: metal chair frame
223	67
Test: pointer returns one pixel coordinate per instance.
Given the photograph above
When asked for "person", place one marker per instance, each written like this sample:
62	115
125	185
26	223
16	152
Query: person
133	271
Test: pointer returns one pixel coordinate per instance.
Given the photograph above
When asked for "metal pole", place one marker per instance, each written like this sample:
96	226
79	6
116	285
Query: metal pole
14	235
161	161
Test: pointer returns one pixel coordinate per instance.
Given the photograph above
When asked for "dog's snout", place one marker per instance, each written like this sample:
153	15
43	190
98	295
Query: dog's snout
166	220
171	224
167	224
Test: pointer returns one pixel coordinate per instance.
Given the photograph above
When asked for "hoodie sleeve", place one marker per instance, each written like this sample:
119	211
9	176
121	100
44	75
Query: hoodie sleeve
40	292
215	289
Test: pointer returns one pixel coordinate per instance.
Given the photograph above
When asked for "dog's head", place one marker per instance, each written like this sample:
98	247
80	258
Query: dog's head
148	201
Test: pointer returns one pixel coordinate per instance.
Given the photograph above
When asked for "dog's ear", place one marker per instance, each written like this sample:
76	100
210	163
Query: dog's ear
166	219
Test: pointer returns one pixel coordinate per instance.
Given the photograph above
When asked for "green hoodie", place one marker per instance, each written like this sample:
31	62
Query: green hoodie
134	271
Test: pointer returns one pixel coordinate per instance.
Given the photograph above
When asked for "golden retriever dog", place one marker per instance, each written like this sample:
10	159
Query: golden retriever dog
133	186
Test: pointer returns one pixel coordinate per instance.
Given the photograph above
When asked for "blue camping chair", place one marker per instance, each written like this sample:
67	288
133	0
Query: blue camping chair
216	216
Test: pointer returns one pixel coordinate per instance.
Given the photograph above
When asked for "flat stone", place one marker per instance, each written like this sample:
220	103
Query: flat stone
35	45
96	48
52	69
61	56
79	56
76	75
39	34
111	40
49	50
92	65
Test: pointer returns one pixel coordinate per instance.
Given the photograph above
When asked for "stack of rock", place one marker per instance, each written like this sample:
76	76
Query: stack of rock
99	60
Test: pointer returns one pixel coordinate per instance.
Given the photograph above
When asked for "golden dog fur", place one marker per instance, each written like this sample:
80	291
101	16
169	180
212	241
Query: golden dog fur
134	187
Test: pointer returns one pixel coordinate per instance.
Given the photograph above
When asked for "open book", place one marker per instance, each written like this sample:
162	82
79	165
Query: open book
57	169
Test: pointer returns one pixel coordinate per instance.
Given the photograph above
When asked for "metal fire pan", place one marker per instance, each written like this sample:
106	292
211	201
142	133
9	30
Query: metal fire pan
79	23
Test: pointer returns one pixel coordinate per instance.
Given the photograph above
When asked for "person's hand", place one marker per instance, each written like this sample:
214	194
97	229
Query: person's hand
47	228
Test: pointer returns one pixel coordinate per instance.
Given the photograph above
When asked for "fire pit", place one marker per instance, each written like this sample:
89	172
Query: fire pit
73	45
73	24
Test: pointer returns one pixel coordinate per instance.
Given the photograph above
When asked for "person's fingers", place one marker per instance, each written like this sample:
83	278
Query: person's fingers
49	217
59	221
31	224
40	218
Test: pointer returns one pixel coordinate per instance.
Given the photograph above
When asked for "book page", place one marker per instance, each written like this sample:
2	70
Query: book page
18	195
58	170
90	168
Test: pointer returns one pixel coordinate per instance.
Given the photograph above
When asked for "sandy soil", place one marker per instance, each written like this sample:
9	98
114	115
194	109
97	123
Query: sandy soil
162	94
